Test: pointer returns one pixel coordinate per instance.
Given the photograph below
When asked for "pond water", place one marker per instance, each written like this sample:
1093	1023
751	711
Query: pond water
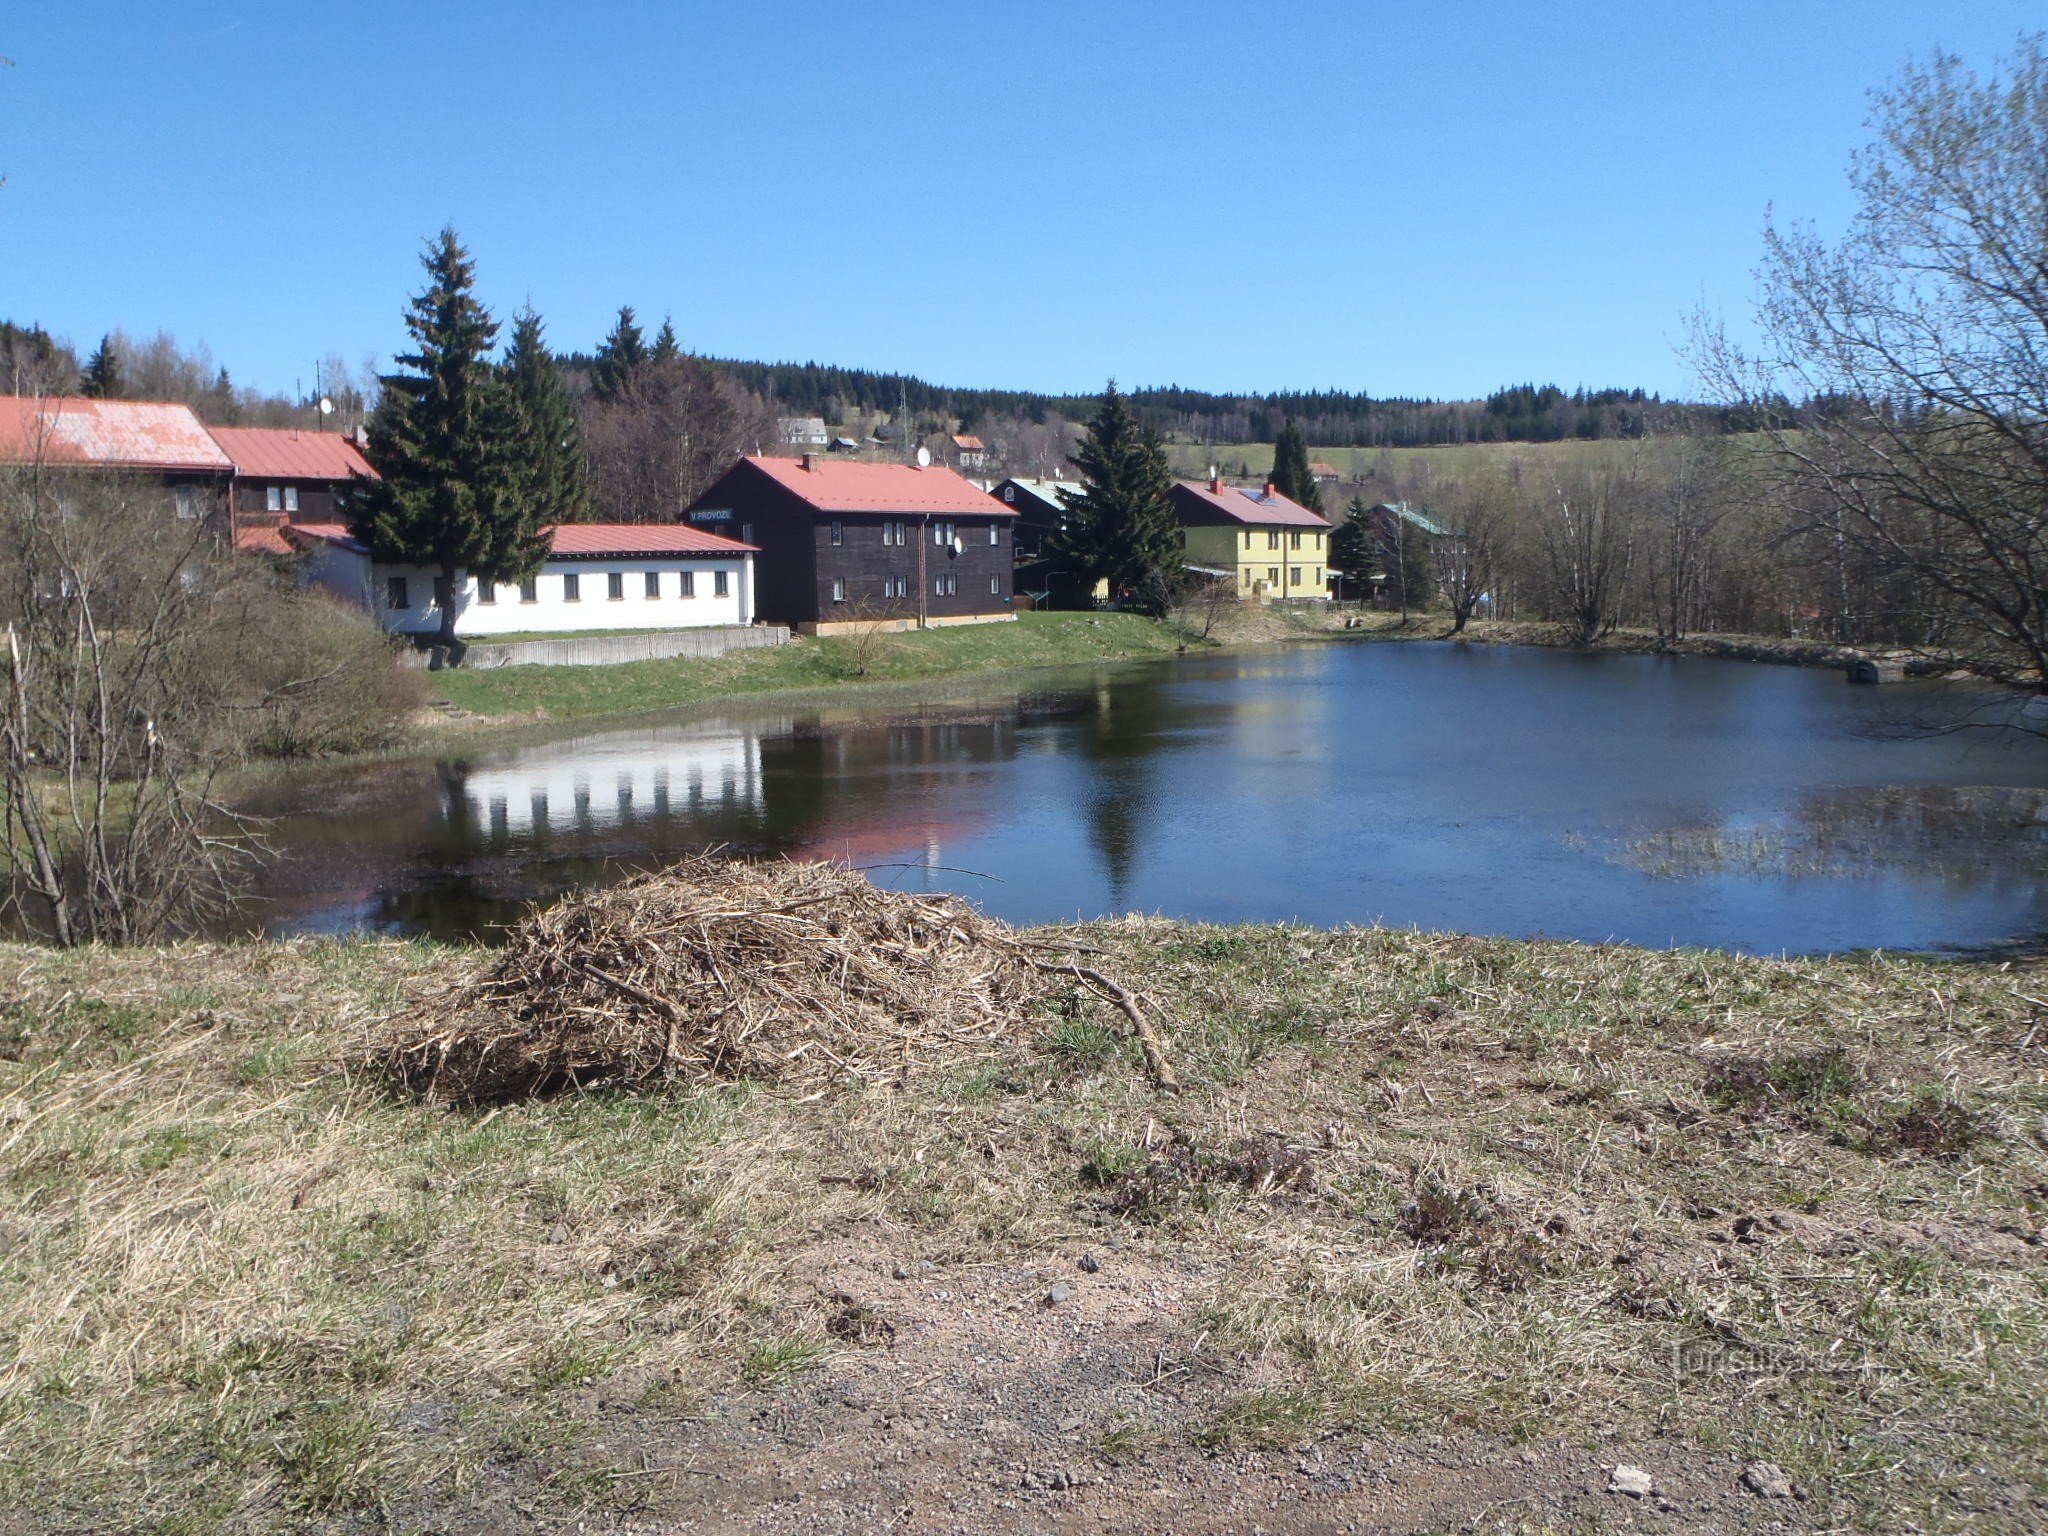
1491	790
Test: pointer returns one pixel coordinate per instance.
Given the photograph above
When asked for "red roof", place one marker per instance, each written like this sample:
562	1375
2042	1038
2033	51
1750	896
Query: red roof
969	442
1241	504
109	434
585	540
593	539
264	539
283	453
835	485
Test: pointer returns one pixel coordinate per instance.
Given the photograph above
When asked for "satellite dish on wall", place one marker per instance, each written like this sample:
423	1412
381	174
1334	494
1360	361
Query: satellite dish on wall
924	458
326	406
959	544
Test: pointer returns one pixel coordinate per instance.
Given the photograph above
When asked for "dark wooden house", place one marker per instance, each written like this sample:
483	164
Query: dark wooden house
845	545
284	475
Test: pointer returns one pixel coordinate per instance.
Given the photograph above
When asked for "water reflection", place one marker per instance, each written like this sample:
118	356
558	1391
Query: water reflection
1449	787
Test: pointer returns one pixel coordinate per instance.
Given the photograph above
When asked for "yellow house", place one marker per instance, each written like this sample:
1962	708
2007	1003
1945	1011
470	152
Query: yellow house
1267	545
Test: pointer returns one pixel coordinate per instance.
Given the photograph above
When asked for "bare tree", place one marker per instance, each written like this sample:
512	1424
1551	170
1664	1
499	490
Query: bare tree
1469	558
1586	528
1920	346
672	429
116	724
1688	494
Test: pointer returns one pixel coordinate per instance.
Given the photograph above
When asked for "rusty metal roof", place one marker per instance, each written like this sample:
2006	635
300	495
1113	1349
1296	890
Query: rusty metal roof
284	453
106	434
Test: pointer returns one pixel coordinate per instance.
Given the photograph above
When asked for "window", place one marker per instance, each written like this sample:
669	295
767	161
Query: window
687	584
942	532
395	594
291	498
653	579
615	586
746	533
187	506
995	586
718	583
894	533
572	588
1273	575
946	585
1009	493
486	590
995	533
838	533
529	590
839	589
1247	538
1294	575
273	498
1294	539
1272	538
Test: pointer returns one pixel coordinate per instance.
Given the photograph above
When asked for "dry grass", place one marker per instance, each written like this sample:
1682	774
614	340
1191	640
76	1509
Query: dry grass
1790	1209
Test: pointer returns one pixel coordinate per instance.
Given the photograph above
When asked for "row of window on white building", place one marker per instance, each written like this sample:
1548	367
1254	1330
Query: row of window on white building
398	589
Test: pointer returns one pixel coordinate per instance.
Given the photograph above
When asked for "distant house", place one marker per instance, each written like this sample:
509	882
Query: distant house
1401	530
1322	473
804	432
1039	511
844	445
847	545
969	451
283	475
599	576
156	441
1261	542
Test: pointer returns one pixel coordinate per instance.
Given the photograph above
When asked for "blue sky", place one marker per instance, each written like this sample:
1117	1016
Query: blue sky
1399	198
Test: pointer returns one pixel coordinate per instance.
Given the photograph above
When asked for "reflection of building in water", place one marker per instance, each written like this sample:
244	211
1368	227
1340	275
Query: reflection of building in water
580	785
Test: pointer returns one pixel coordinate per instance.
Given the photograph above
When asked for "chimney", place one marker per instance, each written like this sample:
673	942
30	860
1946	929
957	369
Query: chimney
1215	485
1272	490
810	461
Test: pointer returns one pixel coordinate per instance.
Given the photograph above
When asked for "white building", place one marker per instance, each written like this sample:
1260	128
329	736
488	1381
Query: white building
595	783
600	576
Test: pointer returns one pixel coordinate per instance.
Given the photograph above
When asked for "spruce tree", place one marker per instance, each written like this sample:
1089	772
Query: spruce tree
620	357
667	350
443	441
548	455
1351	546
1292	477
102	377
1120	527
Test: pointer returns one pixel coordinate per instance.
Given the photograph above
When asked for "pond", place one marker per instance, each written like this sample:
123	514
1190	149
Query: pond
1485	789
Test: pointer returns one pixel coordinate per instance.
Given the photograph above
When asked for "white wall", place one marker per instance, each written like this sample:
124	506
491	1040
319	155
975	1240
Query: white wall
603	781
352	576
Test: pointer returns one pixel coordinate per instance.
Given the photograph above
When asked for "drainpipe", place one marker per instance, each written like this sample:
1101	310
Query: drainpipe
924	530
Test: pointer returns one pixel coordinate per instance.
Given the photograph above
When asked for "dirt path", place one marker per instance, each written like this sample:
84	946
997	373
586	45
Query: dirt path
964	1398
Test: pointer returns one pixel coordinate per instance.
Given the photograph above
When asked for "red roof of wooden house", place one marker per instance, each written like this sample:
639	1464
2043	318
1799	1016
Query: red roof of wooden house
106	434
837	485
1211	501
968	443
284	453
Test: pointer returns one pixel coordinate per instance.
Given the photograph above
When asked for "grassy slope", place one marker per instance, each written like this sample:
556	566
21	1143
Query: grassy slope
1445	460
1555	1194
1035	640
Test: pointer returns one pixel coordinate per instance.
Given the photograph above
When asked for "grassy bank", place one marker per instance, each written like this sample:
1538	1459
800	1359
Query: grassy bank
1034	640
1441	1229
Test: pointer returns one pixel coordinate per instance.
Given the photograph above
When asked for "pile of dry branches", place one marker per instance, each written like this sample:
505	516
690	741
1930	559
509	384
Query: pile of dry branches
722	969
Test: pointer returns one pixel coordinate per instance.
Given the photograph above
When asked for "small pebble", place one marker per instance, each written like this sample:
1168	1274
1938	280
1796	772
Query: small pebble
1088	1263
1058	1294
1633	1481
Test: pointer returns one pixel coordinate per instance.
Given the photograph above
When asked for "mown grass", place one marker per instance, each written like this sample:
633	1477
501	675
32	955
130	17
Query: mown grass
1432	1184
1033	640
